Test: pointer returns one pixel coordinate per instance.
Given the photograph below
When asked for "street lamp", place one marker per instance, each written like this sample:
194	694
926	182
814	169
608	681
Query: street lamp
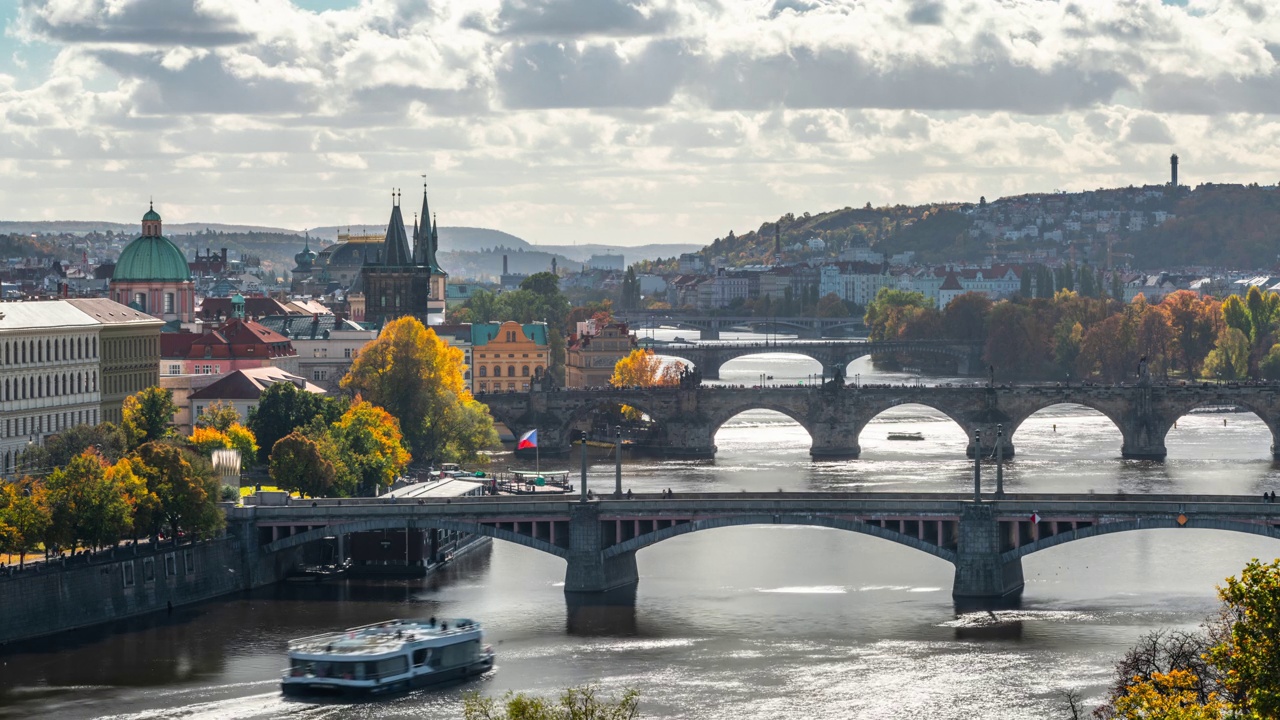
857	380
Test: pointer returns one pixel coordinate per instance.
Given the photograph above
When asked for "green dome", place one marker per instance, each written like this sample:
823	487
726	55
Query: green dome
152	258
152	215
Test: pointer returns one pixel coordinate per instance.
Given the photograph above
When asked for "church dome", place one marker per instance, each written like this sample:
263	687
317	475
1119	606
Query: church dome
152	257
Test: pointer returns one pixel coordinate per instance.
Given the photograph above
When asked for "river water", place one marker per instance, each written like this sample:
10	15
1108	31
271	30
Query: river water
747	622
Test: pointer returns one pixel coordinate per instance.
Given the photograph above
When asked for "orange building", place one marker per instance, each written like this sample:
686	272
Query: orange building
592	352
507	357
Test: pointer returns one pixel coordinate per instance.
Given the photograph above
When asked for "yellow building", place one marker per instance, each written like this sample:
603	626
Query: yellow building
507	357
592	352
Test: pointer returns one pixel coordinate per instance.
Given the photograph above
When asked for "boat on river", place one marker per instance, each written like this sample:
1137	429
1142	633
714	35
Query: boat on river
906	436
385	658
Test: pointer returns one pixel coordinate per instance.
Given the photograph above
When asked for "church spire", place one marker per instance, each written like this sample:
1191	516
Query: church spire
395	247
433	247
422	239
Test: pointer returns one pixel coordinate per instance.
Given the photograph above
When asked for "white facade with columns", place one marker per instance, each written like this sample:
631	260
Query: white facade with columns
49	375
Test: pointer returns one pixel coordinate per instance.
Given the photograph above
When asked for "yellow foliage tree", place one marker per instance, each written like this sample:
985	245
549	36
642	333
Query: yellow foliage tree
1167	696
207	439
644	369
243	439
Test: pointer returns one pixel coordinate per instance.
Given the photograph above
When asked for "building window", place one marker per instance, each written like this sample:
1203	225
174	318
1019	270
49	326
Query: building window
524	371
321	375
511	371
189	562
168	302
199	410
148	569
170	565
346	352
127	573
483	372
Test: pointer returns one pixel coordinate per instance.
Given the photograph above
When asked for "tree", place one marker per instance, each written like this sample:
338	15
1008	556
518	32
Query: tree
297	464
1249	657
24	517
1229	359
417	378
831	306
965	317
483	306
1270	365
1195	322
57	450
581	703
242	439
1167	696
641	368
630	299
220	416
371	443
283	408
207	439
86	506
147	416
884	313
185	488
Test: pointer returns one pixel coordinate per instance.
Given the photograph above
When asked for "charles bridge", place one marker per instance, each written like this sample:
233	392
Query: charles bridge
966	358
985	537
709	327
685	419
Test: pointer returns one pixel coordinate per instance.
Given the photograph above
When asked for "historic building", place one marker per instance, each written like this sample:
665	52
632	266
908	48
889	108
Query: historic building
130	348
400	280
304	273
153	276
49	374
235	345
326	344
592	352
507	356
241	390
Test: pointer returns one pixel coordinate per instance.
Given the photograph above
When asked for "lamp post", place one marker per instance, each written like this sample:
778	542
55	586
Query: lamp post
999	461
977	466
857	380
617	461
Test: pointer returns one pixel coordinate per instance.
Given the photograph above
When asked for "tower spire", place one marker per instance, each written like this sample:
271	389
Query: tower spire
422	250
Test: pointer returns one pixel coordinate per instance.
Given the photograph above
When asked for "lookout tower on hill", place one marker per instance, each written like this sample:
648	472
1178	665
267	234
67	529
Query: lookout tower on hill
1173	170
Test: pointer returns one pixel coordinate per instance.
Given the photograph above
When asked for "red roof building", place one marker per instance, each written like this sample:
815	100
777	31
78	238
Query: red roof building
235	345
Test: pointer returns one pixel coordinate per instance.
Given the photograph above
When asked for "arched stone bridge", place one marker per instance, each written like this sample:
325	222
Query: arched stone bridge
985	541
709	327
687	418
709	358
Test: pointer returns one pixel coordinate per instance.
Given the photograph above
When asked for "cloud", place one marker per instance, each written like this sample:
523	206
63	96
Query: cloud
146	22
573	18
1147	129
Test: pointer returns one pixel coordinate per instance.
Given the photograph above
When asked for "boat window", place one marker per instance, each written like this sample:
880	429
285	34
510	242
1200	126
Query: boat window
393	666
420	657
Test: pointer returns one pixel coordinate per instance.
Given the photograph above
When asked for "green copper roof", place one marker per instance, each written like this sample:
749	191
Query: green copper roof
151	215
152	258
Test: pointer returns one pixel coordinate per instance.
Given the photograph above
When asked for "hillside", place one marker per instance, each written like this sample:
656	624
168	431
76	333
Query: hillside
1228	226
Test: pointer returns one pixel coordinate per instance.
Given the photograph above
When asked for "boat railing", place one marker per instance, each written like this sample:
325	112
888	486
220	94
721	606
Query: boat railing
456	626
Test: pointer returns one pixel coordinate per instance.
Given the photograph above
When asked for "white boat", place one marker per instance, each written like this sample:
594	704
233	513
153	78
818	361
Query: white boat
386	657
906	436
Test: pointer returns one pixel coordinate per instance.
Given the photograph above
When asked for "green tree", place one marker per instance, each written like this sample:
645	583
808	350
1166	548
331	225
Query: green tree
283	408
86	507
1249	657
148	416
583	703
483	306
881	319
185	488
1270	365
107	439
220	416
1229	359
297	464
417	378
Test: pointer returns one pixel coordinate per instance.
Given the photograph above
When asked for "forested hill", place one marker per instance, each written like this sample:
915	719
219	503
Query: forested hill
1225	226
1230	226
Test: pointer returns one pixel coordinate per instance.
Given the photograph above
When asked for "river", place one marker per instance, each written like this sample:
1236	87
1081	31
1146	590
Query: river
747	622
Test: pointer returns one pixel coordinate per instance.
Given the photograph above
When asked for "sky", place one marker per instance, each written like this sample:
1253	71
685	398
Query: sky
618	121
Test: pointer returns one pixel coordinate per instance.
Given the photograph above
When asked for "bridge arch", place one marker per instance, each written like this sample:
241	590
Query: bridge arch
1097	408
857	526
876	417
1259	411
466	526
964	357
725	415
1108	528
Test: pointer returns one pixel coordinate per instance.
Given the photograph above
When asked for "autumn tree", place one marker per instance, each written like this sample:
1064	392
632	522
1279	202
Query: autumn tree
243	439
1194	322
641	368
107	439
220	416
296	464
86	506
965	317
372	445
1229	359
207	439
148	416
1269	367
24	517
582	703
417	378
1249	656
831	306
1167	696
185	488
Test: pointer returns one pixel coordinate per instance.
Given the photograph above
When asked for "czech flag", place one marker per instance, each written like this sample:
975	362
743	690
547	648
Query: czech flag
528	440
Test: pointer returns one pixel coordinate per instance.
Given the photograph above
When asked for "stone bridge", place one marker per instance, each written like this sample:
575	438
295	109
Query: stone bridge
709	358
984	540
710	326
686	419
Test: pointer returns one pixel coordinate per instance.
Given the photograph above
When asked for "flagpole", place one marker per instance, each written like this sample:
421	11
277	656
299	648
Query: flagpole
537	459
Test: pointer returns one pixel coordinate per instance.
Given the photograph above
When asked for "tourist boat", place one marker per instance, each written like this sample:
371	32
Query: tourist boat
906	436
386	657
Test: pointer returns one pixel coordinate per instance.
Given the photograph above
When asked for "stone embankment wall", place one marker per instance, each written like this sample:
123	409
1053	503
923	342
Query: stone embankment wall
60	598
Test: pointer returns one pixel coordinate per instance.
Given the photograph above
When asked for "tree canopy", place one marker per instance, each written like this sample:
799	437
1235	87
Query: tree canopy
148	416
284	408
298	465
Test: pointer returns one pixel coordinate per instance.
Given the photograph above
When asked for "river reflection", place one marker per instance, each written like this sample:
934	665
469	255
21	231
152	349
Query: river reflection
748	622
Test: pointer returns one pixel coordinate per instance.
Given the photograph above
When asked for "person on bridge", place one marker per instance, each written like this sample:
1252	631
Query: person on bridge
628	493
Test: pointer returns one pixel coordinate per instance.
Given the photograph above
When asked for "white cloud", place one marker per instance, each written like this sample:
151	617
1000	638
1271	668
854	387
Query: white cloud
582	120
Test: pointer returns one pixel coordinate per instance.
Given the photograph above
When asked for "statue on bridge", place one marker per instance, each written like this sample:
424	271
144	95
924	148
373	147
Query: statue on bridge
837	378
690	378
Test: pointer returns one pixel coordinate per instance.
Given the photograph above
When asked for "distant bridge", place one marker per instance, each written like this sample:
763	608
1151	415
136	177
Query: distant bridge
709	358
687	418
985	541
710	326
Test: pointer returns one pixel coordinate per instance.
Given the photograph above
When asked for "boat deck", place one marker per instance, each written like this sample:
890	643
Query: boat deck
379	638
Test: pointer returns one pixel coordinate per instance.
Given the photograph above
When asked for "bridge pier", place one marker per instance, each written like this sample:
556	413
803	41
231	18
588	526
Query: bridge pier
1141	444
589	571
694	440
834	441
981	573
711	333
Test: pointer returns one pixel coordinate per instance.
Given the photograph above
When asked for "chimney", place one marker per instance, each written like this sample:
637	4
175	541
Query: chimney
224	256
504	264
